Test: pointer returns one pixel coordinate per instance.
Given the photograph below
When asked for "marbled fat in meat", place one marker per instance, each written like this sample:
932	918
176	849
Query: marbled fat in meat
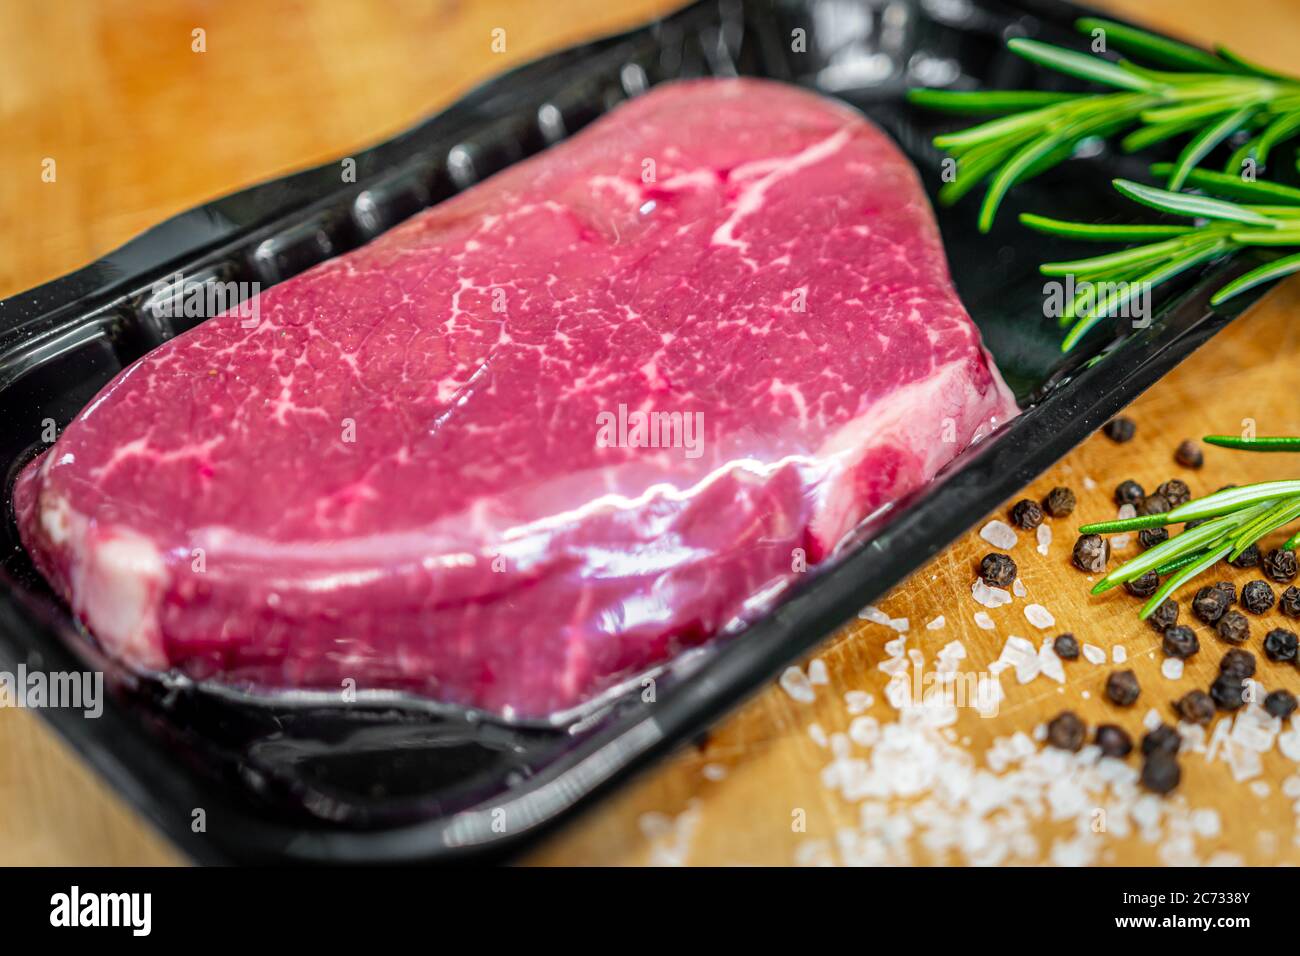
398	474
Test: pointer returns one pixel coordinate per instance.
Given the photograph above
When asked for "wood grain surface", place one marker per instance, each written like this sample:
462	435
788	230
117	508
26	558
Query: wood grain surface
141	126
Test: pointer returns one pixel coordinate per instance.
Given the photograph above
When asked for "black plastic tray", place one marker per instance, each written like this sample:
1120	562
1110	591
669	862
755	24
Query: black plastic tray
383	784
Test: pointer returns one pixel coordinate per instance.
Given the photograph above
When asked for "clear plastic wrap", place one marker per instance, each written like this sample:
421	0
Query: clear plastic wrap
600	408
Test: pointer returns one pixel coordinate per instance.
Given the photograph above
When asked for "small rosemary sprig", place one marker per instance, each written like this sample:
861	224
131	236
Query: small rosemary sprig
1209	96
1268	217
1231	521
1262	443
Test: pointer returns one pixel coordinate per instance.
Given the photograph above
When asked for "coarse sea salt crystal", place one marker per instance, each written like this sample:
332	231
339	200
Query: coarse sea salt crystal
1244	762
892	666
953	650
864	731
896	647
1039	616
1147	812
858	701
714	772
817	734
1023	656
1193	737
983	621
817	672
1151	719
1044	537
655	825
1018	587
1119	654
1255	728
1016	649
898	692
1121	541
899	624
1172	668
936	624
1291	786
1217	736
795	683
814	853
1050	664
873	614
989	697
1088	483
1260	789
1094	654
989	596
999	534
1289	745
1205	822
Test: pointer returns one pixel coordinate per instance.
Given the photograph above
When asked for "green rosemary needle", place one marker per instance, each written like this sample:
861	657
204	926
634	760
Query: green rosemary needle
1261	443
1207	96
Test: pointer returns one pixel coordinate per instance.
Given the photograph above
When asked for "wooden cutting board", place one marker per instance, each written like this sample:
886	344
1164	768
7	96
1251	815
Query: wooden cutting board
142	126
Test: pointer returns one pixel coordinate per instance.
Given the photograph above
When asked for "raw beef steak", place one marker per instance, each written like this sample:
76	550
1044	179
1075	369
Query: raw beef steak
542	436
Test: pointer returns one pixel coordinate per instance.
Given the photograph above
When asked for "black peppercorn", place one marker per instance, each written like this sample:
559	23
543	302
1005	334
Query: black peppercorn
1026	514
1280	645
1122	688
1247	559
1129	493
1160	773
1114	741
1153	504
1280	703
1280	565
997	570
1091	553
1209	604
1228	691
1180	641
1059	502
1066	731
1165	616
1233	627
1120	429
1196	707
1163	740
1229	589
1066	647
1238	663
1289	602
1189	455
1175	491
1150	537
1144	585
1257	597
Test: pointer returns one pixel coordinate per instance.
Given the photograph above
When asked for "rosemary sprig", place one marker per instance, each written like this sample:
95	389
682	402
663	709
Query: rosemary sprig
1231	521
1209	96
1266	217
